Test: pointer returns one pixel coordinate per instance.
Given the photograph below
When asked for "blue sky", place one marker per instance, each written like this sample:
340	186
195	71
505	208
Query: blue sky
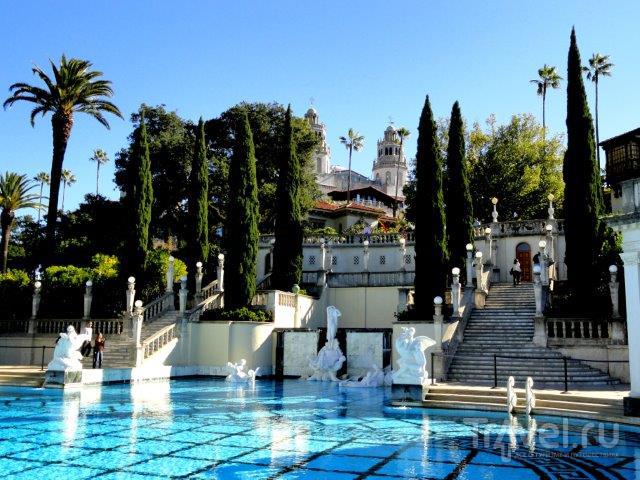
362	61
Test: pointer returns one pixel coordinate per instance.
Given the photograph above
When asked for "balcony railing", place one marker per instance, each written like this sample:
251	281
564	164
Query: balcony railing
371	279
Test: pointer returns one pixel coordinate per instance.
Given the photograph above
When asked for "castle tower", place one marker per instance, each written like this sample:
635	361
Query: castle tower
322	155
389	167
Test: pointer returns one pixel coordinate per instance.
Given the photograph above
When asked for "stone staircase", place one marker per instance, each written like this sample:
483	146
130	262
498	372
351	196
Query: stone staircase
505	327
119	350
604	405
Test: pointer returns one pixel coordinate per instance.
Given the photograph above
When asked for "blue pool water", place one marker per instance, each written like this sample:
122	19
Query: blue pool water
291	429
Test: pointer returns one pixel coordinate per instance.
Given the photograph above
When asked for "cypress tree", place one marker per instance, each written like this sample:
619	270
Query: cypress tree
583	201
199	203
141	198
459	204
287	251
241	232
430	248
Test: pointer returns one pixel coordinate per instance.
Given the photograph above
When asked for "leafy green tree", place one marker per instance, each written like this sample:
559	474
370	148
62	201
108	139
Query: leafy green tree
241	233
14	195
42	178
171	140
74	88
139	202
68	179
101	158
583	202
267	123
458	197
599	66
548	78
352	141
97	225
199	203
514	163
431	248
287	252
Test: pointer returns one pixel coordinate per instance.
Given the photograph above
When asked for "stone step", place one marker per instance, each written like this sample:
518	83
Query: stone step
521	378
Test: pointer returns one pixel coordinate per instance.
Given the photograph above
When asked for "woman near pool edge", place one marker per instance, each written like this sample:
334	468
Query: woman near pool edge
98	350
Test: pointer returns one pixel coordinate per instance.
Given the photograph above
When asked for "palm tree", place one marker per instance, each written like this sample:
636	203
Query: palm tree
599	65
73	88
100	157
68	179
14	195
402	134
42	178
549	78
353	141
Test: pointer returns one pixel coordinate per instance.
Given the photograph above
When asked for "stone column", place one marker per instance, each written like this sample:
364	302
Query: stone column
438	359
272	244
182	295
403	253
551	210
537	290
455	291
494	214
198	279
544	271
613	291
88	297
365	255
131	294
35	305
488	245
221	272
480	294
296	313
138	318
631	261
323	255
170	270
469	265
437	323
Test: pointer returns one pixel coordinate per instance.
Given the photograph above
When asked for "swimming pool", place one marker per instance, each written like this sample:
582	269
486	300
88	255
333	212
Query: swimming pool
291	429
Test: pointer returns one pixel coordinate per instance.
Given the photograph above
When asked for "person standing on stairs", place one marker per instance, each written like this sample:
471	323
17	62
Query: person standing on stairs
516	271
98	350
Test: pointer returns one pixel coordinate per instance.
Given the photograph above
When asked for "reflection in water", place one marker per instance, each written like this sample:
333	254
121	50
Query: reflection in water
531	433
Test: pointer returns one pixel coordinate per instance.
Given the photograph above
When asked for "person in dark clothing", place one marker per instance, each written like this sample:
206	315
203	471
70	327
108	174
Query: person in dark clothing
536	259
98	350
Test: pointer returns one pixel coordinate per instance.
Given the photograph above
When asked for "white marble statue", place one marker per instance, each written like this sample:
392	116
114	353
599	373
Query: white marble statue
531	397
330	358
66	356
238	375
375	377
412	364
512	398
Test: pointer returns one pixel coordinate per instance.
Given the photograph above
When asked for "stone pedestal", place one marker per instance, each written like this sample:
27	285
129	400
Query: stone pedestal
540	331
404	393
62	379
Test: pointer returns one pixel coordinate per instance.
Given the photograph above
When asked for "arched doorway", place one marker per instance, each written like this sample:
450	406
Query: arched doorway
523	254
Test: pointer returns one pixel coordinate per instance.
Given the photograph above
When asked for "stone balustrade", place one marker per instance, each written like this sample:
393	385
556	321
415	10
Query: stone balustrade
159	339
382	238
518	228
370	279
157	307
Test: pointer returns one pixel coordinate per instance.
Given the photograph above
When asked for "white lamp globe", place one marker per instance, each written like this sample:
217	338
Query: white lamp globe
478	254
487	231
437	301
138	303
199	264
89	283
455	271
37	284
613	269
469	247
542	244
131	279
221	256
548	228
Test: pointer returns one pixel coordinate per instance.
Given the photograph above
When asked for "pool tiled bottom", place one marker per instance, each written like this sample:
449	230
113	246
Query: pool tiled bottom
289	430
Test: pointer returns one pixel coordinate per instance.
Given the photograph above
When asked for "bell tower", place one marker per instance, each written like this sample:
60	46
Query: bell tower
390	166
322	155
